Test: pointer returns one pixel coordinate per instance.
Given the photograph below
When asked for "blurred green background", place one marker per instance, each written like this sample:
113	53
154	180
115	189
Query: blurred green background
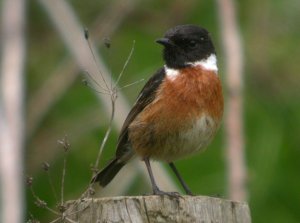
271	39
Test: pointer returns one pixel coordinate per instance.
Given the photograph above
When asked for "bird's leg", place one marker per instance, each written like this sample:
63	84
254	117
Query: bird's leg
155	188
184	185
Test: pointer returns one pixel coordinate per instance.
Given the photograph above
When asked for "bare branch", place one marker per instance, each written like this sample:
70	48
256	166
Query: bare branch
11	109
234	116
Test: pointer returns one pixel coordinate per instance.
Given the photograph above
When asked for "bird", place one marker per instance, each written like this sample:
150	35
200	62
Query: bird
177	112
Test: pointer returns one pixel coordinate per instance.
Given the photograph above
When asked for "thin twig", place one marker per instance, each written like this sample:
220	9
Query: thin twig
96	82
52	210
66	147
114	93
133	83
113	97
97	91
86	82
70	220
42	203
108	131
52	186
96	64
126	63
63	180
56	220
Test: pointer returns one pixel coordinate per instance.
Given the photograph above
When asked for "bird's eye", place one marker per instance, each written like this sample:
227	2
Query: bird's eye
193	43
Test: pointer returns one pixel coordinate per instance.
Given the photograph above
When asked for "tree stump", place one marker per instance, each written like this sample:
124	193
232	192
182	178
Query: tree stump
158	209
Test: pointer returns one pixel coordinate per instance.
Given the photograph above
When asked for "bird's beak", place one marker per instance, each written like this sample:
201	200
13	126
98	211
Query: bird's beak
165	42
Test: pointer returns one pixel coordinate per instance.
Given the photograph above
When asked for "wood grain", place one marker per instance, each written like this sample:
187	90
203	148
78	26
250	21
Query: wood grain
159	209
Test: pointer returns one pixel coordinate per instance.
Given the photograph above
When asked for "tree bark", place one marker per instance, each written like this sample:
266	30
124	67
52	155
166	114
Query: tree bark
159	209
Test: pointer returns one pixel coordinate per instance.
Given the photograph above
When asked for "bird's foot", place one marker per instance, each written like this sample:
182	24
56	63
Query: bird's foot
159	192
190	193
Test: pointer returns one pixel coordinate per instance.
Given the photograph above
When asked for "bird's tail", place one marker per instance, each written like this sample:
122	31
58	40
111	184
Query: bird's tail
108	173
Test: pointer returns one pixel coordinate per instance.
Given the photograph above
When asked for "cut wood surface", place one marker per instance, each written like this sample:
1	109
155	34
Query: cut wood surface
158	209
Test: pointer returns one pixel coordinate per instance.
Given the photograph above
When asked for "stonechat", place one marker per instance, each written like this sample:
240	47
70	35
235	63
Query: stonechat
178	111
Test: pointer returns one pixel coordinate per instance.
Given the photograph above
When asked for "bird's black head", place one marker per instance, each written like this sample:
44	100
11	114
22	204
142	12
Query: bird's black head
186	44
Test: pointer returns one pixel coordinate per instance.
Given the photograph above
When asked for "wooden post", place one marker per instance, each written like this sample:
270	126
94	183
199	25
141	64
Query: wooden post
158	209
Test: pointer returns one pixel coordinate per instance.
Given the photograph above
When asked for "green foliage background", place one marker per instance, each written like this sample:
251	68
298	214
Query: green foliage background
270	31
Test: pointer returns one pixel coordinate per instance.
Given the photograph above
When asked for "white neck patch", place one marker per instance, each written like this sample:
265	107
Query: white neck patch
210	63
171	73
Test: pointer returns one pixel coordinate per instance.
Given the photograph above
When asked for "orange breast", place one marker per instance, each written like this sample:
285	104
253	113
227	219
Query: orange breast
160	129
195	91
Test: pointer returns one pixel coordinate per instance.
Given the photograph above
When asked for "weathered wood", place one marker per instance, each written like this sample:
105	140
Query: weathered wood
159	209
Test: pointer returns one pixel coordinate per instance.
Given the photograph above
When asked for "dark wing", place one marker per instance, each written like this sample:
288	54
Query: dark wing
145	97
